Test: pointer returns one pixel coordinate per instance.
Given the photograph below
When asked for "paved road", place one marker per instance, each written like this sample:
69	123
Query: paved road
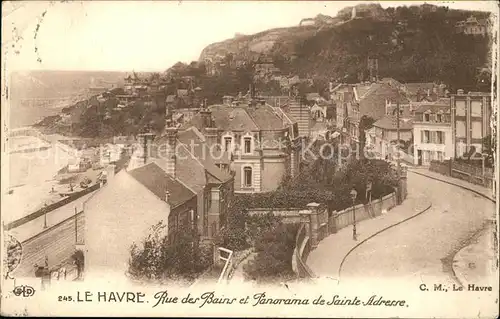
415	250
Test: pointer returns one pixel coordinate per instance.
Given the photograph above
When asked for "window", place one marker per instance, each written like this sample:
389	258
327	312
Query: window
440	137
477	129
460	105
426	136
247	177
439	118
427	117
248	144
227	143
475	108
460	129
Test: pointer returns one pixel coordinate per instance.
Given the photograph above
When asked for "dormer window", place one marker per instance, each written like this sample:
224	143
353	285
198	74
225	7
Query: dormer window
427	117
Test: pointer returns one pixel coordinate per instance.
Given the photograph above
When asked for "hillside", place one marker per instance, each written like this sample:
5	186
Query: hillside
417	43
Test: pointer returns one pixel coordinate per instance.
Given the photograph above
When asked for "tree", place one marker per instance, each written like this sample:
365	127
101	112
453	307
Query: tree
159	258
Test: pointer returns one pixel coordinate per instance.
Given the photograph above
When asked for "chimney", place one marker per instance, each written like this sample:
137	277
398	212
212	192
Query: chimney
170	156
460	91
167	195
145	139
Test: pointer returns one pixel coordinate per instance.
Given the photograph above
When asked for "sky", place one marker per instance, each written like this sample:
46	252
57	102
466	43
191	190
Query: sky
147	35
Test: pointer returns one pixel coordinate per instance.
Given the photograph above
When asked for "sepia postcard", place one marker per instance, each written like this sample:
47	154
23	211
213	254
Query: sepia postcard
250	159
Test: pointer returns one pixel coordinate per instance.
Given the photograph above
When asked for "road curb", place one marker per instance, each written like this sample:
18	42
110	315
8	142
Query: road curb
457	185
377	233
457	277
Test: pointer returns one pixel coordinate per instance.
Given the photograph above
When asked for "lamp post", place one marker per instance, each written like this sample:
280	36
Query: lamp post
354	193
45	216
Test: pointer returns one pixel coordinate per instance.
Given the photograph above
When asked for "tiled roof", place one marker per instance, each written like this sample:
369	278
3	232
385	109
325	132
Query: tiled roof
433	108
413	88
372	102
265	118
159	182
388	122
208	163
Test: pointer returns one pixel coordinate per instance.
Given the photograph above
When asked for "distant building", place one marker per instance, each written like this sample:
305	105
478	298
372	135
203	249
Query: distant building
472	26
470	121
432	133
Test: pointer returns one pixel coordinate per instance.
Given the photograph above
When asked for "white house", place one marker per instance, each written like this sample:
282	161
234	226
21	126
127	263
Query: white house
432	134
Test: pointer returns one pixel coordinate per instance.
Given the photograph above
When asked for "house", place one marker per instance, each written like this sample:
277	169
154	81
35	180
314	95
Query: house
194	166
253	139
472	26
383	135
369	99
110	153
125	209
470	121
432	133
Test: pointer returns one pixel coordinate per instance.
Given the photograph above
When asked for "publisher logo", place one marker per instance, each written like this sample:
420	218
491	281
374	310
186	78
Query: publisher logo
24	291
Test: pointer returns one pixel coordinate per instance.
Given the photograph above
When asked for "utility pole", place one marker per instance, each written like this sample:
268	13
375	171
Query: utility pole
76	227
398	165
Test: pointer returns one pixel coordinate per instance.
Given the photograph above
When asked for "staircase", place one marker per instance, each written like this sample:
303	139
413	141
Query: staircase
301	114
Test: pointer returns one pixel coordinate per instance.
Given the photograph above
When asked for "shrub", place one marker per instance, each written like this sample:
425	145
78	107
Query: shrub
157	259
274	253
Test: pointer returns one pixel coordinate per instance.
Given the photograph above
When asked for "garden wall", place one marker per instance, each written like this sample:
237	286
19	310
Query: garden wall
317	223
467	172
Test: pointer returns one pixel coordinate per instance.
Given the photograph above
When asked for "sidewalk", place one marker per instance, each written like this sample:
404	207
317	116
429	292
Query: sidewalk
475	263
327	258
455	181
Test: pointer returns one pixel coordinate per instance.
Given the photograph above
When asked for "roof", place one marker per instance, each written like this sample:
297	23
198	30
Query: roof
265	118
433	108
170	98
414	88
312	96
388	122
372	102
196	168
159	182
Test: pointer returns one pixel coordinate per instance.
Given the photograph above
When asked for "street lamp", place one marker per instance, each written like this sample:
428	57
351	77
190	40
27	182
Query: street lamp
354	193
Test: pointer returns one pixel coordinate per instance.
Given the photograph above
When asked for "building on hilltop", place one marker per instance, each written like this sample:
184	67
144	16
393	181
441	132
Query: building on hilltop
473	26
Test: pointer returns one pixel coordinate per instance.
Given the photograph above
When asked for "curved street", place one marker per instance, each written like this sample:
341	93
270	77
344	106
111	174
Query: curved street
422	248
